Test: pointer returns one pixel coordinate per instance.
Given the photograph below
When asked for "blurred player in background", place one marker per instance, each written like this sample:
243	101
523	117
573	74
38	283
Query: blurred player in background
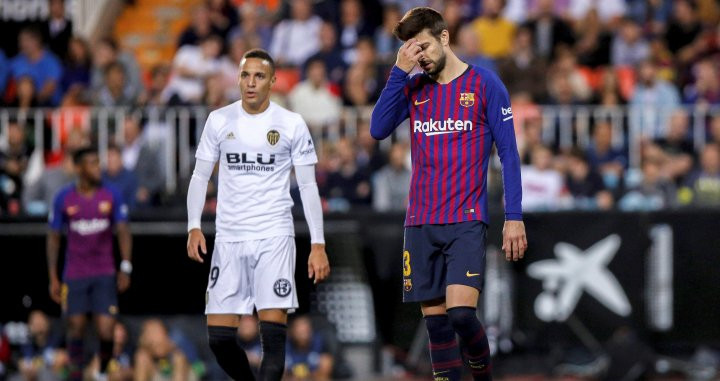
89	211
257	143
456	112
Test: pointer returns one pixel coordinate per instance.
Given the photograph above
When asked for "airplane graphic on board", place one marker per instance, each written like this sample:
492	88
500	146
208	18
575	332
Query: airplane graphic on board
574	272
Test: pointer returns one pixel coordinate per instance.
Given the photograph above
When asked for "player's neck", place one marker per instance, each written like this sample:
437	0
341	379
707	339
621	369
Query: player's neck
85	188
256	110
454	67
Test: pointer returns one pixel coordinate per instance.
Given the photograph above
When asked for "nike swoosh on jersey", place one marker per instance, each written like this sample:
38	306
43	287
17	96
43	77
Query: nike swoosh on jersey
468	274
419	103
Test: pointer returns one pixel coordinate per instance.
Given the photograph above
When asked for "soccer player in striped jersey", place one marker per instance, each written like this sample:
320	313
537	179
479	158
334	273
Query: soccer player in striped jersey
457	111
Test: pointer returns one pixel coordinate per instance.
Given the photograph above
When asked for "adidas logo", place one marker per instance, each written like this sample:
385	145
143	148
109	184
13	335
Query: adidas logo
230	136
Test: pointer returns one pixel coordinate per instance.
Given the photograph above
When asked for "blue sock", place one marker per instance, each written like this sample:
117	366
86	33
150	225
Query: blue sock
473	341
444	353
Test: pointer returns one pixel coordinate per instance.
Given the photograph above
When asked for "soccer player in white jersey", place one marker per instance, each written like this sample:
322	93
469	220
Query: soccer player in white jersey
257	144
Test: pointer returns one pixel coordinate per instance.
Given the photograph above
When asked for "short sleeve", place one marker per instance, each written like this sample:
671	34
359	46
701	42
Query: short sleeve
303	149
57	216
208	149
120	208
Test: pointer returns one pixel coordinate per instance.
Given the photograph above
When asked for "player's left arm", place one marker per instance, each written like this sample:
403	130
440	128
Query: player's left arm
500	118
122	229
304	158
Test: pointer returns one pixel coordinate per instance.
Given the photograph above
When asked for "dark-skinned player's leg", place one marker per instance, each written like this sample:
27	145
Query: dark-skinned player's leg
104	302
75	332
273	334
222	337
105	326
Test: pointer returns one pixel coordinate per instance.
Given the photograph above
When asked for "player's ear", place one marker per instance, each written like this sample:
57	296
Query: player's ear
445	38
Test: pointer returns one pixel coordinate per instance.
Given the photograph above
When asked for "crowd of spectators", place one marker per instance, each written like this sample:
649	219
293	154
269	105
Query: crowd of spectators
660	57
150	349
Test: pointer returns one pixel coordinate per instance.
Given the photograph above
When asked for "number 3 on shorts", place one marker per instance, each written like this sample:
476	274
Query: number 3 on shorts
406	263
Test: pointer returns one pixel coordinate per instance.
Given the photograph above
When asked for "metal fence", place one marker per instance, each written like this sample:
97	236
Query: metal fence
177	129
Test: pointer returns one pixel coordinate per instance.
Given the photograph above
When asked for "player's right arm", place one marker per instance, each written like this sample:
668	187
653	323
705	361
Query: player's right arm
391	108
207	155
57	221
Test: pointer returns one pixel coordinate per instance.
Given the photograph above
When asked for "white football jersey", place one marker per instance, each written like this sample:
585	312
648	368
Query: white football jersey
256	153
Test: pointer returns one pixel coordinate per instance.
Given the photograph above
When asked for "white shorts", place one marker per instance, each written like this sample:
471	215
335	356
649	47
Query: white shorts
252	275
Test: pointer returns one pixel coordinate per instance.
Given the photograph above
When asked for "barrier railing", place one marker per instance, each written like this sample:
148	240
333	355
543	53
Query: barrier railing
177	129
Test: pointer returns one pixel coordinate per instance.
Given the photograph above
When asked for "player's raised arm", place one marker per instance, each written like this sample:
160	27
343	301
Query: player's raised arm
392	107
207	154
500	118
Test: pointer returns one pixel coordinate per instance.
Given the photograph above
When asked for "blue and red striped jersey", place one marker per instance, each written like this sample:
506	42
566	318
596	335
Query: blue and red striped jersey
453	127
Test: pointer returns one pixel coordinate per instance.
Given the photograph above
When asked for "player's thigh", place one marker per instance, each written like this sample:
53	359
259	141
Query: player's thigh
223	320
459	295
423	265
103	295
104	324
76	325
275	274
433	307
465	256
75	297
230	289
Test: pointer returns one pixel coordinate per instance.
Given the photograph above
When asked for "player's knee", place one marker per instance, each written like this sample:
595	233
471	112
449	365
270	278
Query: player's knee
462	318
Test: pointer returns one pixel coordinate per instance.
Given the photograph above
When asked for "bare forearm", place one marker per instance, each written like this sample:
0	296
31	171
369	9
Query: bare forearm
52	249
125	241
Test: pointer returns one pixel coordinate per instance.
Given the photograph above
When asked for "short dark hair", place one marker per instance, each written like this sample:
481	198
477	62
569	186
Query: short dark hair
80	153
261	54
418	19
34	32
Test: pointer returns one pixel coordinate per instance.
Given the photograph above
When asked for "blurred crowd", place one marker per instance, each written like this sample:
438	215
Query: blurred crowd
151	349
661	57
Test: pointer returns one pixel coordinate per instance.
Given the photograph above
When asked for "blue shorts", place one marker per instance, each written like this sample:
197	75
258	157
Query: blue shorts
96	294
435	256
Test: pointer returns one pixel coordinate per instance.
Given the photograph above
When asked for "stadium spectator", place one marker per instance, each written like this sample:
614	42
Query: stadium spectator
330	54
4	71
368	154
495	33
347	184
684	27
629	48
38	196
35	61
249	340
523	71
468	49
120	367
652	16
313	99
159	79
392	183
308	356
119	177
705	90
702	188
116	91
607	161
191	65
201	27
543	186
253	27
549	30
351	29
230	64
106	51
77	65
57	29
653	192
141	156
593	42
676	148
654	98
14	159
609	12
296	39
158	357
42	355
530	137
214	96
25	94
364	79
566	69
715	129
585	185
609	92
223	15
386	43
